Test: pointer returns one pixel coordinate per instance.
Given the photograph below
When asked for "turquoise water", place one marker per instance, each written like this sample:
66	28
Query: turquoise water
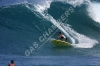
27	28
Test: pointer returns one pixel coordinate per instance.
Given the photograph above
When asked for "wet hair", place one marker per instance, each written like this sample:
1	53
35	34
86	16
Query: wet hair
12	61
59	32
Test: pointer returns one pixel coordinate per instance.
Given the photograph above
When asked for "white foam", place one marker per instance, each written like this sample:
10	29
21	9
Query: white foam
46	4
81	41
42	7
94	11
72	2
75	2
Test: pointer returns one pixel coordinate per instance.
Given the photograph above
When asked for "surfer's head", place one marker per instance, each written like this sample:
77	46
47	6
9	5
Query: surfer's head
60	33
12	61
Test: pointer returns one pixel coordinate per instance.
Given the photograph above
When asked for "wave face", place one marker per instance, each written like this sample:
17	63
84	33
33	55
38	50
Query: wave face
23	22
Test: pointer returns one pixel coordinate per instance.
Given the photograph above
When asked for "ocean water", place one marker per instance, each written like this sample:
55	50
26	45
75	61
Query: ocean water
28	26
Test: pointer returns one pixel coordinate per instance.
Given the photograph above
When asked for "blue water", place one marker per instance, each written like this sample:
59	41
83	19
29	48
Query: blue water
27	28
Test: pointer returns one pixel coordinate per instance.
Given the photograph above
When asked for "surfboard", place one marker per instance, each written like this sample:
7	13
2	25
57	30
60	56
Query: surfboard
60	43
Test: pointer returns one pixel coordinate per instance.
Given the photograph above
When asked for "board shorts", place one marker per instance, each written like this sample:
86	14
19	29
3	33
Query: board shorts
62	37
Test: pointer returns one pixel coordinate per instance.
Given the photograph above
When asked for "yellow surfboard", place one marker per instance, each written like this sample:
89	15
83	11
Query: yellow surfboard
60	43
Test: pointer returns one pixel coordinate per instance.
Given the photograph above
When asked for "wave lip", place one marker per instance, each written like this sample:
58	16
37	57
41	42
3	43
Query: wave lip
94	11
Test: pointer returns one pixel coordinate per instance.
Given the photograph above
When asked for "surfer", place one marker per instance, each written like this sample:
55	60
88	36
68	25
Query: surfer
12	63
61	37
